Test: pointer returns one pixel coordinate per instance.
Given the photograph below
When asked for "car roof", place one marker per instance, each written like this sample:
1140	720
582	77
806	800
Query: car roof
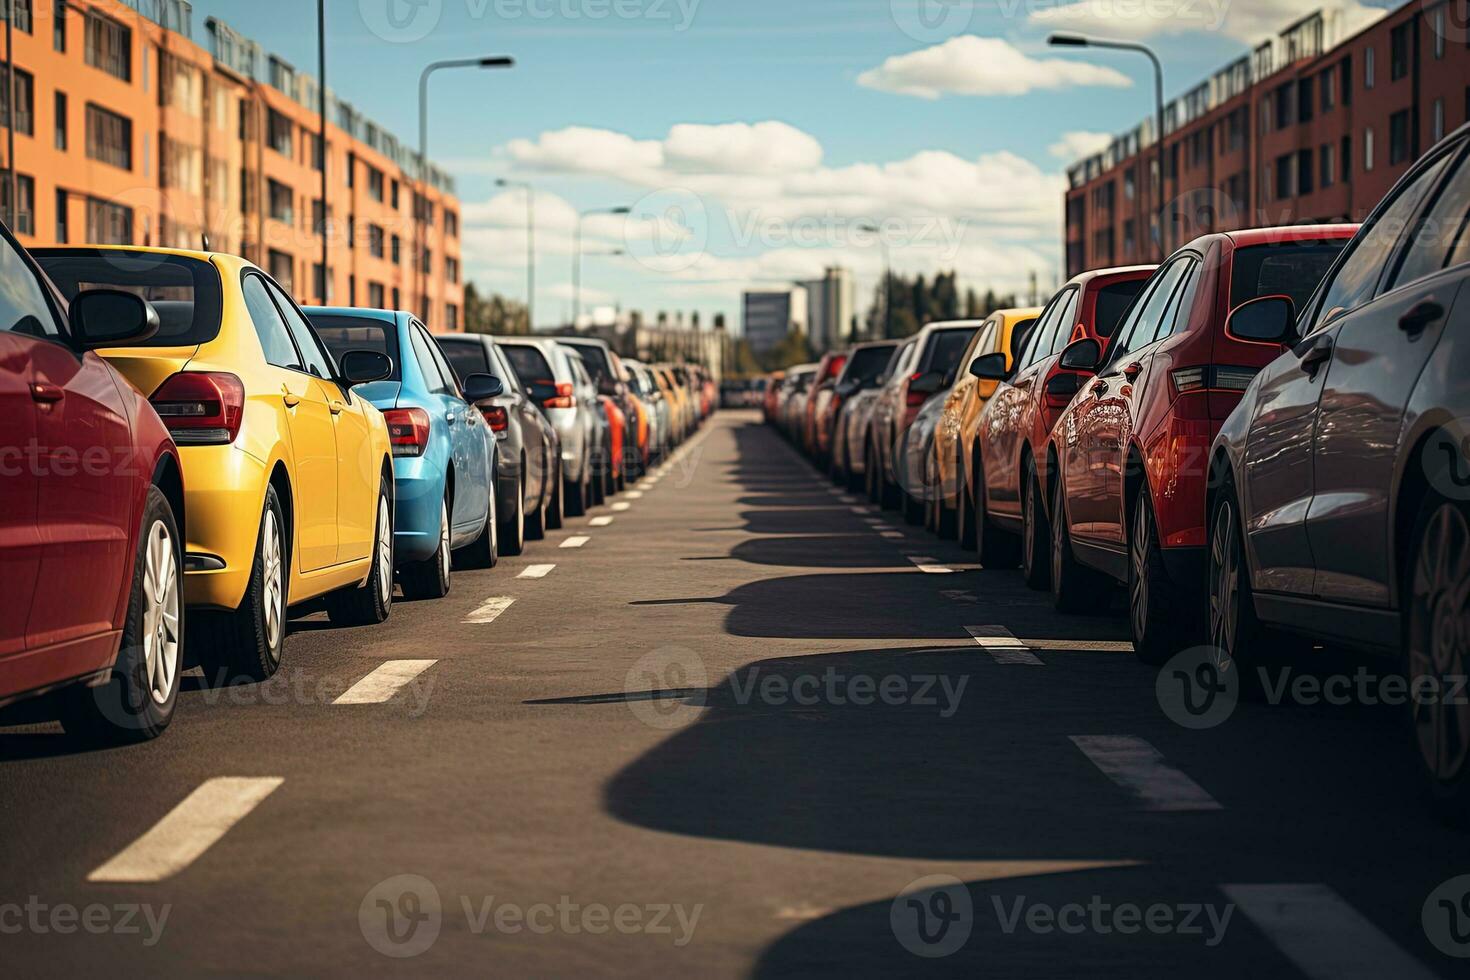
1289	233
364	312
1116	272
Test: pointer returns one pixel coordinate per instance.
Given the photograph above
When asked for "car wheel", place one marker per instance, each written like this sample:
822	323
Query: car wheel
556	507
430	579
870	477
964	508
372	601
577	496
1160	627
1238	641
246	644
998	548
137	701
536	520
1035	532
1074	587
513	525
1434	648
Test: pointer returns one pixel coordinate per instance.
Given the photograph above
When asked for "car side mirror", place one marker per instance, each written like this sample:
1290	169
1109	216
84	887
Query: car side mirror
1082	355
479	387
1267	319
111	318
1064	386
991	367
848	388
360	367
927	383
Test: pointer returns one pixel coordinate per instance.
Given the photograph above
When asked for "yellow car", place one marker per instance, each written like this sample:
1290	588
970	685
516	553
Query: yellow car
955	433
288	476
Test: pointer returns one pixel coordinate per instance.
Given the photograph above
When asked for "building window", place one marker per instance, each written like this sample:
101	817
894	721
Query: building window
320	283
1345	157
279	132
351	231
1398	51
1304	172
180	85
375	241
1398	137
1306	107
451	268
109	137
397	250
351	290
181	165
397	299
393	199
108	223
1328	86
281	200
1368	148
62	230
1439	32
61	120
109	46
351	167
426	261
280	266
25	97
1130	238
451	317
1284	182
22	20
375	183
1368	68
376	295
25	203
318	217
1328	165
1283	105
451	223
58	25
1436	120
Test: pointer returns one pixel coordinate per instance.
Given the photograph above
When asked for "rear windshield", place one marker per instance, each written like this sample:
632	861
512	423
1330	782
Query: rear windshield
866	364
467	357
1112	302
946	348
186	292
595	358
344	333
528	363
1286	269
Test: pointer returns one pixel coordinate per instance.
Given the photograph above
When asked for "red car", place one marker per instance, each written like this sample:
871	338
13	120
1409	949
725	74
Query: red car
1000	512
817	430
91	505
1127	464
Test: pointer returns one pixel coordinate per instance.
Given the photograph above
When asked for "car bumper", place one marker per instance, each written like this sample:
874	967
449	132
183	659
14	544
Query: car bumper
224	493
418	494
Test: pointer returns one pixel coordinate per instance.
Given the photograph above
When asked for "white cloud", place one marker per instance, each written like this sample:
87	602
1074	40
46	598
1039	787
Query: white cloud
1079	143
742	148
1242	20
971	65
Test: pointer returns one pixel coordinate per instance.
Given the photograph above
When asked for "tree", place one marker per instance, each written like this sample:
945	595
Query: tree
793	349
493	315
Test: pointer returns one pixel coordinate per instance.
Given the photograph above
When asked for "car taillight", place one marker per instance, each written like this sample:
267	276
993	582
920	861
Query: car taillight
408	430
1231	378
1218	377
201	408
562	398
1189	379
498	418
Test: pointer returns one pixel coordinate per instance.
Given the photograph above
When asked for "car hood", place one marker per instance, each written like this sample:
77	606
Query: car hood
148	367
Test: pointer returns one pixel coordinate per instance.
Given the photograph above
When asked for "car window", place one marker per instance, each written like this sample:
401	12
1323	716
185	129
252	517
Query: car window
270	327
984	340
1440	235
185	292
501	369
945	348
467	358
1176	314
318	361
428	367
451	380
905	356
529	364
342	333
1356	279
1139	329
1066	320
23	306
866	364
1281	269
1112	302
1038	345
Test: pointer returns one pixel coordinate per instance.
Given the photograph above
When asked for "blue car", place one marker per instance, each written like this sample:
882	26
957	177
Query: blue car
444	453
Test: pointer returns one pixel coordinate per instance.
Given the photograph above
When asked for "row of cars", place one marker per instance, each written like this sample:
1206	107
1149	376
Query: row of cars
186	454
1261	442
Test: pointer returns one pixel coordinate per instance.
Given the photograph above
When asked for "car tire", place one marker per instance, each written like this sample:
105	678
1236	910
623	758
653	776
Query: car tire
137	701
1075	588
512	531
577	497
1437	575
1035	532
371	602
964	514
998	547
556	506
431	578
246	644
870	477
536	520
1159	619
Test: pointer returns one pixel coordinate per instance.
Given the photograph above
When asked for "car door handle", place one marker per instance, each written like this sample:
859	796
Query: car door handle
337	407
449	416
1421	316
1317	355
47	393
291	400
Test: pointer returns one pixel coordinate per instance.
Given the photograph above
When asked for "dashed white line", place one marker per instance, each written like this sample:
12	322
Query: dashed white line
862	510
873	520
633	494
929	566
536	571
1003	646
575	541
489	610
1140	768
188	830
1322	934
848	499
603	521
384	682
621	506
890	534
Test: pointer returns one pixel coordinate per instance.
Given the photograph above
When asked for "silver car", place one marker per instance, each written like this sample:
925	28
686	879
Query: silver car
559	384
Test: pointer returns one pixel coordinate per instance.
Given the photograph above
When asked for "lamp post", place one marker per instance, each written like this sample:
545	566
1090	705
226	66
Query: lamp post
1080	41
577	258
423	181
321	108
887	274
530	246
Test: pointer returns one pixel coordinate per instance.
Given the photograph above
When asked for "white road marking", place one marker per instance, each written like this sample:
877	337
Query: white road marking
621	505
536	571
647	485
1322	934
1140	768
929	566
882	526
383	683
1003	646
848	500
489	610
189	829
600	521
862	510
633	494
890	534
872	520
1078	646
575	541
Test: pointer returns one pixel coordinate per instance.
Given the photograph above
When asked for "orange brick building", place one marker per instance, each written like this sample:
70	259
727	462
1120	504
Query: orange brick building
128	131
1310	126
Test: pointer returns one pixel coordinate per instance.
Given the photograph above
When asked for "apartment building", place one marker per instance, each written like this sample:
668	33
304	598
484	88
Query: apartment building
1313	125
127	131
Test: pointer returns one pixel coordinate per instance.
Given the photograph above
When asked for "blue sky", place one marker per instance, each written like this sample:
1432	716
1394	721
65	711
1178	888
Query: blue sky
756	138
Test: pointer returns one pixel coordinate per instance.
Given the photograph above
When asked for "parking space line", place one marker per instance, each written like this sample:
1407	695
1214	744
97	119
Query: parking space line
872	520
489	610
187	831
890	534
575	541
929	566
633	494
603	521
621	505
1140	768
862	510
1003	646
386	680
1322	934
536	571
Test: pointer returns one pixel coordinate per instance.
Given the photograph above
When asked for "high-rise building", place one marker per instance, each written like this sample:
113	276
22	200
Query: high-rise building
769	315
129	132
830	304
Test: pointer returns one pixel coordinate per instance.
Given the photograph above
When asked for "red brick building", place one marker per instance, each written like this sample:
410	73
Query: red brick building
1308	127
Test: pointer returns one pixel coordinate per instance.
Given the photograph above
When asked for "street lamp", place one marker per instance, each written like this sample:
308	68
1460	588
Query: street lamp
486	62
577	258
1079	41
887	274
530	246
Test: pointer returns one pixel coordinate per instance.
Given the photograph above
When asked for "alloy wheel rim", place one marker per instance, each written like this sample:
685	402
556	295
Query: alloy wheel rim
1138	592
275	592
1224	583
1058	542
160	612
1028	526
385	552
1439	625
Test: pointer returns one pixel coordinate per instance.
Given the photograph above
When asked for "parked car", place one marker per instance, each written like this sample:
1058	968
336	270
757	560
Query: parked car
916	456
792	399
544	368
813	441
1003	515
606	371
266	424
1126	469
922	372
768	400
660	422
91	512
1338	505
585	390
528	487
444	455
855	393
